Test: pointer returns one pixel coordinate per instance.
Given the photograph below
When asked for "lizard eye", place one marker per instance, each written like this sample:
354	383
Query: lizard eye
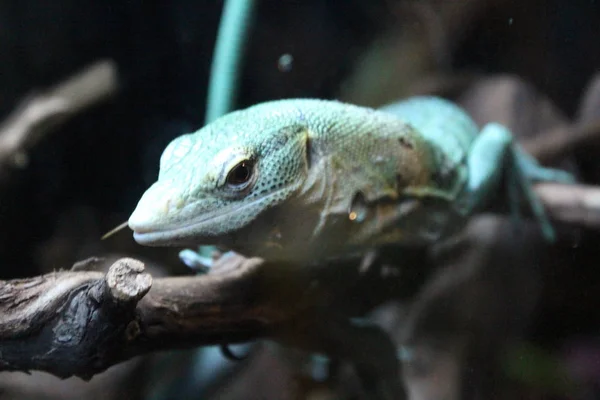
240	174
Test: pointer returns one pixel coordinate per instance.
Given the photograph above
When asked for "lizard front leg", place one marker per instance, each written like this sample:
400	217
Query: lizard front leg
495	154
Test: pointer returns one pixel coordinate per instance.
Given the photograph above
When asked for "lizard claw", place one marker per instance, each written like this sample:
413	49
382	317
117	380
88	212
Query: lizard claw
527	170
201	260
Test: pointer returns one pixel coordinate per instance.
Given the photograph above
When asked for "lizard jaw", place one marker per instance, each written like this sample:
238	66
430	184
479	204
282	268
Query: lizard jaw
206	228
172	237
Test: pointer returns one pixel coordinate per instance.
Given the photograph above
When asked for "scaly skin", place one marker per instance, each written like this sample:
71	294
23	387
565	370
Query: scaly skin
301	180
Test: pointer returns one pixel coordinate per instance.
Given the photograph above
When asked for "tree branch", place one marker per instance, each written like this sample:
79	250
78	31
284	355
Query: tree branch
571	204
40	113
555	143
82	322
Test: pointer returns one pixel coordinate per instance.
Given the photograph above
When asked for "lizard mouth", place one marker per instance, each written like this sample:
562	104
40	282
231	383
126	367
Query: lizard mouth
208	228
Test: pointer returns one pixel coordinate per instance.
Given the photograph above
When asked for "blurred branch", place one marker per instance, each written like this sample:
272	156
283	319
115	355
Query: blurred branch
571	204
39	114
557	143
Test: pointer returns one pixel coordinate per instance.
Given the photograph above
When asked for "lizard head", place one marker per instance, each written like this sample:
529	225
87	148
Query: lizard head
214	183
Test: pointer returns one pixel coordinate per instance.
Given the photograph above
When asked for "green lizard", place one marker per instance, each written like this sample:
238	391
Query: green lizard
301	180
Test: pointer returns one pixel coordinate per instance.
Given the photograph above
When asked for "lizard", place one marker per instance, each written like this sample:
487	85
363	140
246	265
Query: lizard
302	180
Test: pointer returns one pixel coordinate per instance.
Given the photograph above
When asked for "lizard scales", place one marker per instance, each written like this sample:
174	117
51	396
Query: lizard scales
305	179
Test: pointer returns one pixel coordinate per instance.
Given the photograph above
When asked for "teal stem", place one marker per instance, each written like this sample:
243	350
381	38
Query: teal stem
229	50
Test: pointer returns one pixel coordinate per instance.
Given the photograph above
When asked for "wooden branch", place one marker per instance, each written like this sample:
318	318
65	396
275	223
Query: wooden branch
571	204
558	143
82	322
39	114
79	323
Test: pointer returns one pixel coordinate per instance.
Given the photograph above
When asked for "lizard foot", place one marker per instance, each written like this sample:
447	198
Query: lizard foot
495	154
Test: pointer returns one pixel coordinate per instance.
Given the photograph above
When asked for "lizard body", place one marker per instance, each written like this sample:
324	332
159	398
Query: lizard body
300	180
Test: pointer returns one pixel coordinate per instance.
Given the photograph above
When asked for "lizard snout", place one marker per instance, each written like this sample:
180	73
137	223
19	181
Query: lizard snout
155	210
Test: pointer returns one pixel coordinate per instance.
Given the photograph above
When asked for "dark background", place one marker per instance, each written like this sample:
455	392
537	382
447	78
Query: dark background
88	175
